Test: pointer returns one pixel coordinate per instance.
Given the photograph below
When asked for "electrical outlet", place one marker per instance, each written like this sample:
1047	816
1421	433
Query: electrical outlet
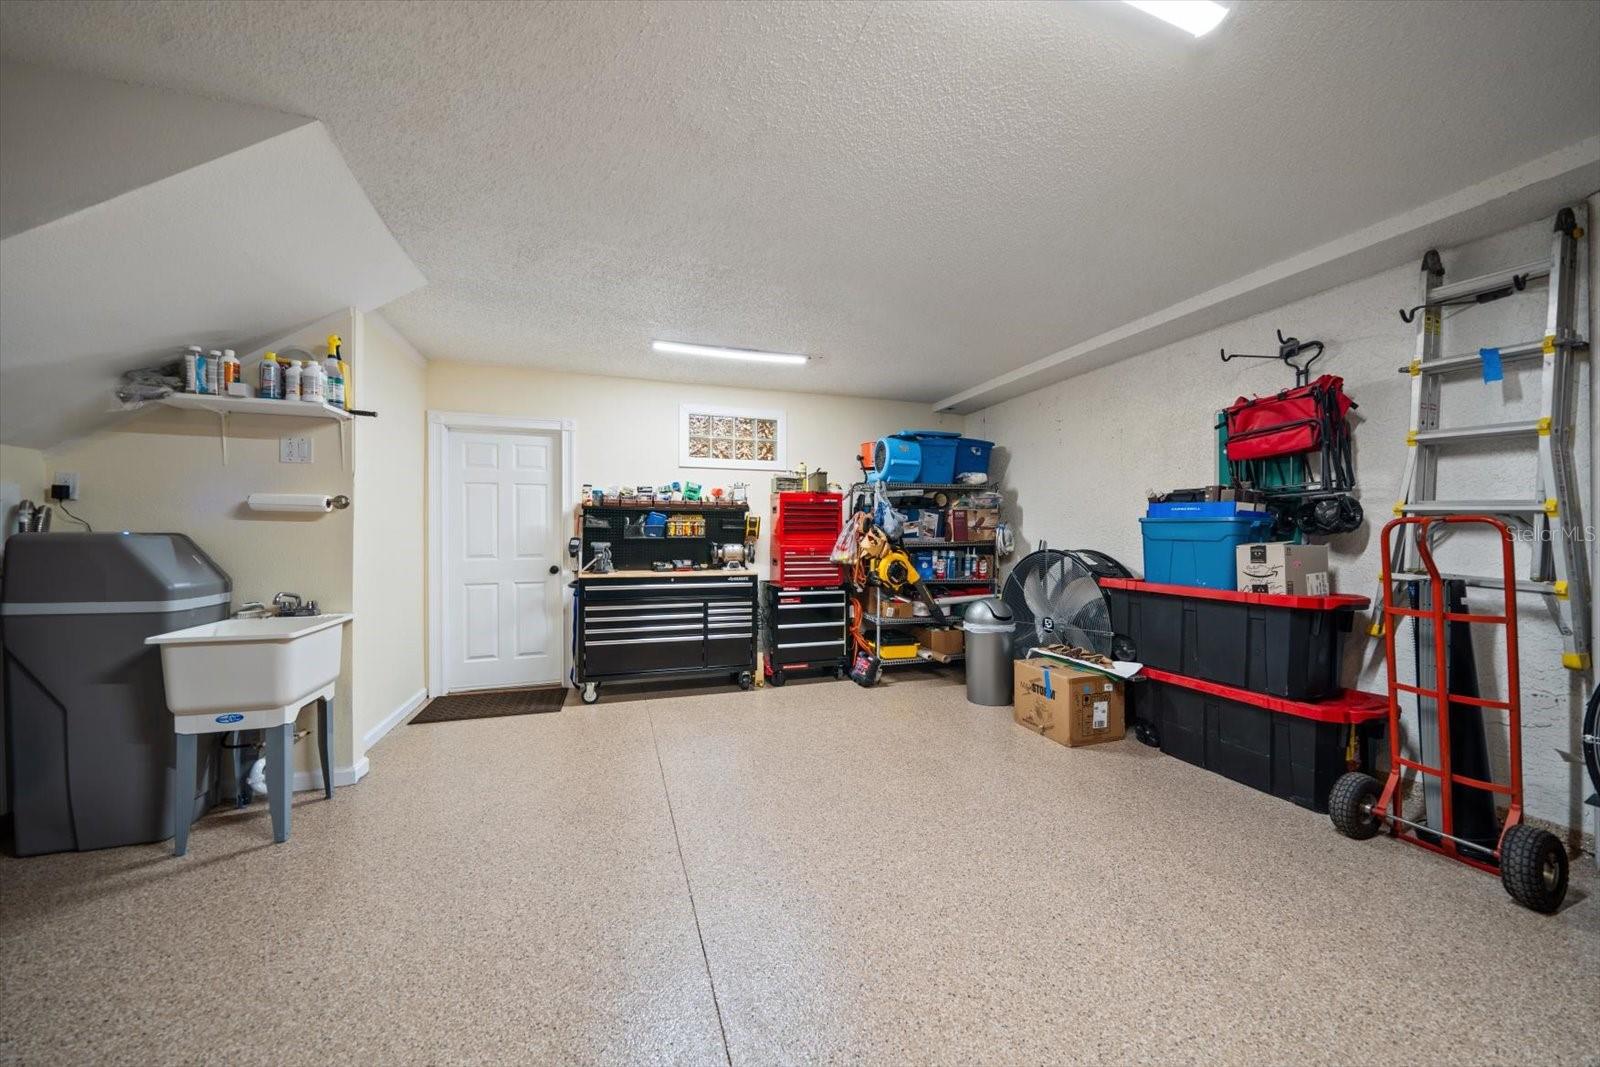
68	480
294	450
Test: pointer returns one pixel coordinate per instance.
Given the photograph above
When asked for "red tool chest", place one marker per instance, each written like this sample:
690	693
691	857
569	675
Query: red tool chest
804	529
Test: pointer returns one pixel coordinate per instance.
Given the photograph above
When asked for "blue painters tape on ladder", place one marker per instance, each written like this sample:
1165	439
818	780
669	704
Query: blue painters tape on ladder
1049	694
1492	370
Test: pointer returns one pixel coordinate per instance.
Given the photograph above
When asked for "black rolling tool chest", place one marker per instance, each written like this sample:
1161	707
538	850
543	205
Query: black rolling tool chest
805	631
640	624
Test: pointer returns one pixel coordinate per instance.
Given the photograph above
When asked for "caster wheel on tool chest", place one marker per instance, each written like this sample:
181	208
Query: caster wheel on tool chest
776	679
591	692
746	680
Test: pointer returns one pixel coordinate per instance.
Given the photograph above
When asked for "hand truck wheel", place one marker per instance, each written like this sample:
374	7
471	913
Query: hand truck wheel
591	692
1533	868
1351	803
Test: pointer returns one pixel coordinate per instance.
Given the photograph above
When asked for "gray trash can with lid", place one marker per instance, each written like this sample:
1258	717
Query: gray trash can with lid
989	625
89	740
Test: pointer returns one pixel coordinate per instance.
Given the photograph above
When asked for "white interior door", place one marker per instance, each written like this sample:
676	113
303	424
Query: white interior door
502	604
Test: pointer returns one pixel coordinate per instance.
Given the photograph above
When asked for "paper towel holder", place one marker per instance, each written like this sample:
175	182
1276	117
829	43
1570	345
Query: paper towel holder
302	503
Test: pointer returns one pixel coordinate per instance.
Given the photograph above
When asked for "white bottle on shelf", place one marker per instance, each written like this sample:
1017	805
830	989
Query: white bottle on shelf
214	372
333	381
191	367
291	380
311	382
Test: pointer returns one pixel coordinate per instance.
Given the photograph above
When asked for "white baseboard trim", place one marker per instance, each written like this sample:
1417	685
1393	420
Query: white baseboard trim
304	780
394	718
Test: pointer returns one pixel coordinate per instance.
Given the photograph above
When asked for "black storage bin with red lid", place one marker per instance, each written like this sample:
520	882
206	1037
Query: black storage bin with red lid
1290	749
1281	646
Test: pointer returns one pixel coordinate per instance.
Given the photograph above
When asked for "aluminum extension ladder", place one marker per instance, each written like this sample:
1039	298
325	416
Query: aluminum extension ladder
1558	568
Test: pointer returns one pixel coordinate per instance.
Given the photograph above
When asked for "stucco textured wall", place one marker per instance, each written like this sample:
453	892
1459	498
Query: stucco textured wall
1078	458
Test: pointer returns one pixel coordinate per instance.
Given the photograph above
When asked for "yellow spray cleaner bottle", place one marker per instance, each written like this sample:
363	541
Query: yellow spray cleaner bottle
336	352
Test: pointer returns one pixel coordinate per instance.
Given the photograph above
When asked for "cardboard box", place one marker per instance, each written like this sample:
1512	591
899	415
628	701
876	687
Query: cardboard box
1279	567
973	524
885	606
1070	707
944	642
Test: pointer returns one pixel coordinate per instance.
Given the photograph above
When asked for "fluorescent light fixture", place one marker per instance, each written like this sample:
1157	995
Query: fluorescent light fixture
1198	17
677	348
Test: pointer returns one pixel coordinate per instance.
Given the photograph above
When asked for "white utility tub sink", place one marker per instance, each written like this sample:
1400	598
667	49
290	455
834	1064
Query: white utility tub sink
248	664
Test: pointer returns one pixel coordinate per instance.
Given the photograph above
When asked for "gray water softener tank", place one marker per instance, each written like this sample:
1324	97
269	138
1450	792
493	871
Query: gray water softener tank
89	740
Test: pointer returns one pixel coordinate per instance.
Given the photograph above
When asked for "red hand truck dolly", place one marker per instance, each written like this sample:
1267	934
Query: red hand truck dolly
1532	863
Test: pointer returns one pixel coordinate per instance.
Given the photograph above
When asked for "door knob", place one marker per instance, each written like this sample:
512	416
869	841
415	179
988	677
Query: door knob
554	569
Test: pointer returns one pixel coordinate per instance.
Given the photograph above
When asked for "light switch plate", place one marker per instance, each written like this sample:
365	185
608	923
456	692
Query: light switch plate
294	450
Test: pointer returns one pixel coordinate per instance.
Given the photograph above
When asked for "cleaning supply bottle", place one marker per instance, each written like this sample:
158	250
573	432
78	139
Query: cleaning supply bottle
191	363
311	382
214	372
333	384
200	379
336	350
269	379
291	381
230	369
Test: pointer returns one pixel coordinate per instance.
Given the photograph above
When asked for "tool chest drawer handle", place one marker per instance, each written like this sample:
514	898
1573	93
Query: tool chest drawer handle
810	592
809	625
647	640
810	607
635	630
639	605
811	644
729	637
640	618
734	584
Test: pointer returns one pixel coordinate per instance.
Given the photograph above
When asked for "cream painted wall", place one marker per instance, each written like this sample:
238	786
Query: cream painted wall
24	466
388	506
627	427
1078	457
162	471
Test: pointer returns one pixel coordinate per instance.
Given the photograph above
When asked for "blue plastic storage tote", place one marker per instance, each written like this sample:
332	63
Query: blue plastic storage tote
938	455
1199	551
972	456
1200	509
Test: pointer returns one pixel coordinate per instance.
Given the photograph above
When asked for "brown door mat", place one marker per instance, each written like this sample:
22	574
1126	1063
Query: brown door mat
493	704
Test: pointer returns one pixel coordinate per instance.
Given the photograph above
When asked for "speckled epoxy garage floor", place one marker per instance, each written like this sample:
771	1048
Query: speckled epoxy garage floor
814	873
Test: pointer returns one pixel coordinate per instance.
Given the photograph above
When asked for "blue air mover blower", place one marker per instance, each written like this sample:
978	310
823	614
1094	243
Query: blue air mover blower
895	459
927	456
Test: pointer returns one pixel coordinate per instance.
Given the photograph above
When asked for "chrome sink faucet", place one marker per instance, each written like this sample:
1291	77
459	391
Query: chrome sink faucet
291	604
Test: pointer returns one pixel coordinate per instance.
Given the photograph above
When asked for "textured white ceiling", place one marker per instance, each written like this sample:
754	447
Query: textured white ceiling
925	194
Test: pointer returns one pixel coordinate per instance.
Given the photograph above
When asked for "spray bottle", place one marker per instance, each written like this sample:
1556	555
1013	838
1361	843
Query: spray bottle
336	351
333	380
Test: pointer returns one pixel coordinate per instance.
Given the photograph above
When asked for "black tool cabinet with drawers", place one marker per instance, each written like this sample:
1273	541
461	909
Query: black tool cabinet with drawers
643	624
805	631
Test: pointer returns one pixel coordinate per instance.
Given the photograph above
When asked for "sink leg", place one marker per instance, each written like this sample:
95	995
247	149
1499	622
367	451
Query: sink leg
183	792
280	768
325	742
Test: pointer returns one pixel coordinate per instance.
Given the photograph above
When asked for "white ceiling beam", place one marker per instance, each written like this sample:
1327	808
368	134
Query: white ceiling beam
1508	199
